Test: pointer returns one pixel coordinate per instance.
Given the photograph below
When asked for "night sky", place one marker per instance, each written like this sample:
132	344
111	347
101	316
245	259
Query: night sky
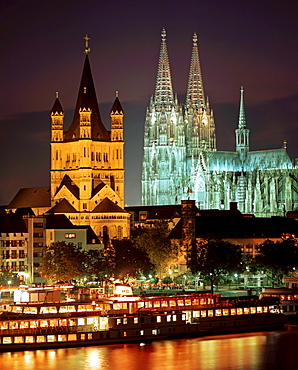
249	43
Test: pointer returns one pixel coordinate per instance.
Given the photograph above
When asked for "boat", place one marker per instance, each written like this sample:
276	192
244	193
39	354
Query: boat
287	300
29	325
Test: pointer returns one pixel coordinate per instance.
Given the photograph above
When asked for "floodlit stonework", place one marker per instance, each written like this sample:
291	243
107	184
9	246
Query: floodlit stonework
181	160
87	166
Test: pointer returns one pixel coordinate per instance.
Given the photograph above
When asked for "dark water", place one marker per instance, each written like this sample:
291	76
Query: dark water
268	350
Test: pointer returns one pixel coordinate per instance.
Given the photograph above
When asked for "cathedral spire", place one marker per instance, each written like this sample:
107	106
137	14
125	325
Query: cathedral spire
164	89
195	91
242	133
242	119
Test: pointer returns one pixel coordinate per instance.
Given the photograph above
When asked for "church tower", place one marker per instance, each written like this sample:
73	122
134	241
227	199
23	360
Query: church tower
164	140
198	115
87	162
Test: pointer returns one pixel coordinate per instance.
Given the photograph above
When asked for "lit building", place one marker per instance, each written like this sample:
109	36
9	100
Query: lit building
87	166
181	160
23	239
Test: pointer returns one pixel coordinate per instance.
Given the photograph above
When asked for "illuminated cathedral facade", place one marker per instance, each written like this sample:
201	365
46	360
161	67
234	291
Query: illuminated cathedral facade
181	160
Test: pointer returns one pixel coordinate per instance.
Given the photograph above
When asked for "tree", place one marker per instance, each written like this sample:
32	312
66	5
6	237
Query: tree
155	242
7	278
96	267
277	259
213	258
130	261
63	262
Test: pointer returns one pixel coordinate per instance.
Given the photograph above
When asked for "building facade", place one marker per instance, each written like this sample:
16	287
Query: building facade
87	166
181	160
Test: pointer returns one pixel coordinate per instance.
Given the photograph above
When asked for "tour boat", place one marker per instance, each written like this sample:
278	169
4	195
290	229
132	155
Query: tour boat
287	300
25	326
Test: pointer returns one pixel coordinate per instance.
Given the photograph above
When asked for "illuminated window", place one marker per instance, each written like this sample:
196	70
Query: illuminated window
135	320
29	339
70	235
259	309
233	311
118	321
71	337
158	318
239	311
141	332
18	340
169	317
7	340
210	313
174	317
40	339
218	312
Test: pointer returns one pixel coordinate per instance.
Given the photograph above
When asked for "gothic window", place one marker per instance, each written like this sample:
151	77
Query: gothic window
112	182
119	232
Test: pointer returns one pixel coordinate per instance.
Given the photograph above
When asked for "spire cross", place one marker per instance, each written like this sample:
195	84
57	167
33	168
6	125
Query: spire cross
87	48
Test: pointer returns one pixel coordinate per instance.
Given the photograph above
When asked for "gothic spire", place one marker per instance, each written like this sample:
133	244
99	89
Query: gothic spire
195	91
87	99
242	119
164	89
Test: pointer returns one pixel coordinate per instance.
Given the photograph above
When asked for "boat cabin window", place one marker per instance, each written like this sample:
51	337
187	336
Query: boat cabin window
48	309
174	317
240	311
169	318
218	312
210	313
253	309
225	311
203	313
246	310
233	311
259	309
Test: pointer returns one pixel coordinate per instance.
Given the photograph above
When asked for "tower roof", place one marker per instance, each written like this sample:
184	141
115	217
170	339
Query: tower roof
164	89
87	99
117	108
242	118
57	107
195	92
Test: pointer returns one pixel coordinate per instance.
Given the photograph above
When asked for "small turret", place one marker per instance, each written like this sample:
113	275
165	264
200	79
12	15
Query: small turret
57	117
116	115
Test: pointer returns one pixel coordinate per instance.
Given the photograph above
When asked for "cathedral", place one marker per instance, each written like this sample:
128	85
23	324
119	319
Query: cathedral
87	166
181	160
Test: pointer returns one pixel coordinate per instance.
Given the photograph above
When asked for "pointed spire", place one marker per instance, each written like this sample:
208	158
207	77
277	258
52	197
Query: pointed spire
87	99
57	107
116	108
242	118
195	92
164	89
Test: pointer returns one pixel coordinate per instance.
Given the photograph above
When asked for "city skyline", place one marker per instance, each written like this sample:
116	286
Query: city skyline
246	44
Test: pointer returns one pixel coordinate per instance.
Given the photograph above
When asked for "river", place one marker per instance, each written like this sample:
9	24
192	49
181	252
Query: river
276	350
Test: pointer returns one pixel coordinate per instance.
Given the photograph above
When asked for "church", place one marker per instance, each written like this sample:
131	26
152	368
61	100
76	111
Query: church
87	166
181	160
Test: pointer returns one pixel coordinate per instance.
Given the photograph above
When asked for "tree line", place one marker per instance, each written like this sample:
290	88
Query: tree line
149	251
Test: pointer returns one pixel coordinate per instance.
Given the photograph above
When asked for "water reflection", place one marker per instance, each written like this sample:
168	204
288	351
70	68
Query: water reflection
270	350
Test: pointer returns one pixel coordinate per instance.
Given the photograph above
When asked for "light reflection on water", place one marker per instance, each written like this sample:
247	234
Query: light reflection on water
268	350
